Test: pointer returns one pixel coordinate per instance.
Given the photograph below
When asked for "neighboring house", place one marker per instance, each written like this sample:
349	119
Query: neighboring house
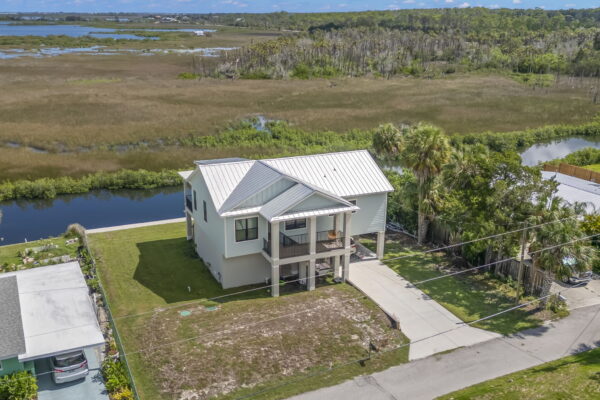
258	221
573	189
44	311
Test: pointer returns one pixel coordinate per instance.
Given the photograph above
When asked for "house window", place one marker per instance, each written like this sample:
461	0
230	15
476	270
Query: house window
204	210
246	229
1	368
195	204
295	224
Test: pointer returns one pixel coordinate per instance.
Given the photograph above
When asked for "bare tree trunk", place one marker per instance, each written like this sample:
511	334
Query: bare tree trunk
547	284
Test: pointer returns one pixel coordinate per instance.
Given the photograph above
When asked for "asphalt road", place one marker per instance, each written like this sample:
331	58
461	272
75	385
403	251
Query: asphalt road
441	374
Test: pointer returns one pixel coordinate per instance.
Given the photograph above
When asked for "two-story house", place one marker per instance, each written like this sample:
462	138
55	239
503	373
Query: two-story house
258	221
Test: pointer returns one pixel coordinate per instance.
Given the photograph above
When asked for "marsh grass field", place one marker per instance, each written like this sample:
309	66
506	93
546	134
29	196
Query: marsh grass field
65	115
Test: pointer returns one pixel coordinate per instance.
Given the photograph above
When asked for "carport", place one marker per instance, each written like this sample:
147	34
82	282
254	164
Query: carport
58	316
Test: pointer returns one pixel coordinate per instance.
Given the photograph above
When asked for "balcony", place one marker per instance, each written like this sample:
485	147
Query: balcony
298	245
188	202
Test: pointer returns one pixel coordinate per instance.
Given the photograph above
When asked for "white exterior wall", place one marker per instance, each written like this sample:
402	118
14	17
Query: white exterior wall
208	236
236	249
372	214
246	270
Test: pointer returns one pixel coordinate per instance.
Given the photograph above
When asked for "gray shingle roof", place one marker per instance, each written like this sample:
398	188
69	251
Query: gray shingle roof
12	339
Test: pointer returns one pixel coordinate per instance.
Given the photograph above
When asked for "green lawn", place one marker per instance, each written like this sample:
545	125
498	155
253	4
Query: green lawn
243	346
11	256
574	377
468	296
593	167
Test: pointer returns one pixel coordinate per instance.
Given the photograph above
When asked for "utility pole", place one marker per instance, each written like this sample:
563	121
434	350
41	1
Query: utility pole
520	273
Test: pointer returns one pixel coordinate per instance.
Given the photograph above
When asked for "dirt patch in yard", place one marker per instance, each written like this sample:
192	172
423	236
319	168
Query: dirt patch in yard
250	343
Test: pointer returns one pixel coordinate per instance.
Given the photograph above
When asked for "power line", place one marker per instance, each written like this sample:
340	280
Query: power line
215	298
501	261
329	273
463	325
475	240
308	310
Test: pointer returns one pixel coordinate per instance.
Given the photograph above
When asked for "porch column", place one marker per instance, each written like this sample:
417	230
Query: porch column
312	249
339	222
302	272
380	244
189	226
336	267
275	280
275	259
347	248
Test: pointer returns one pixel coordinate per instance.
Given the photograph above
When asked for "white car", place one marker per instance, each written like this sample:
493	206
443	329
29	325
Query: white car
69	367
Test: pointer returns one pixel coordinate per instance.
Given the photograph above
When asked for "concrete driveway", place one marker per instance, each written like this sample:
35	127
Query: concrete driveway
434	376
584	296
419	316
92	388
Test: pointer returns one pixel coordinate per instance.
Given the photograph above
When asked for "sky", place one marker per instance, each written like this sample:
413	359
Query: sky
223	6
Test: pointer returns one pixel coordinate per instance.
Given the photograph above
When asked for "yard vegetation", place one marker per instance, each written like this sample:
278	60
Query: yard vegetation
237	345
576	376
469	191
469	296
49	251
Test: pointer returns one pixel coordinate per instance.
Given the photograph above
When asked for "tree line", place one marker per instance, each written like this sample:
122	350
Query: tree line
385	52
477	192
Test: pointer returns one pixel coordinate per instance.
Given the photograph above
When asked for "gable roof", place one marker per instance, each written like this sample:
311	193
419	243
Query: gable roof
333	175
12	339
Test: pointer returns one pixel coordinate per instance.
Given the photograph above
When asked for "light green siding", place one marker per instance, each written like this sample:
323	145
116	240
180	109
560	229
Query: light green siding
14	365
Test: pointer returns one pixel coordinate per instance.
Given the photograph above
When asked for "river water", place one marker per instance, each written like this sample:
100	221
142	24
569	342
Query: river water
35	219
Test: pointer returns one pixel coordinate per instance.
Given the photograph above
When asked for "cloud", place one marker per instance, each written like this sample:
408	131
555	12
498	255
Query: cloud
449	1
570	5
393	7
409	1
234	3
463	5
494	6
516	1
342	5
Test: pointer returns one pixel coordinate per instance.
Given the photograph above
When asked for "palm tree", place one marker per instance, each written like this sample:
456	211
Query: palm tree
569	253
387	139
424	150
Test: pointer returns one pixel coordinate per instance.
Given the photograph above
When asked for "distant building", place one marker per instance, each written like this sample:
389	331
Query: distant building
572	189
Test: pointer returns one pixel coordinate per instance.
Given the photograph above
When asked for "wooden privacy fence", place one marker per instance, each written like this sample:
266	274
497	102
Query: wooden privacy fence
511	268
572	170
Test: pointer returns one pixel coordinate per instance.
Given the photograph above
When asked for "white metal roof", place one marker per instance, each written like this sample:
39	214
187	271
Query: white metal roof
258	177
349	173
56	309
573	190
343	174
222	178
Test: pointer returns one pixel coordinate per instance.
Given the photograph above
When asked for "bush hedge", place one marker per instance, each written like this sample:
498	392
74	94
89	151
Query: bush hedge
47	188
18	386
520	140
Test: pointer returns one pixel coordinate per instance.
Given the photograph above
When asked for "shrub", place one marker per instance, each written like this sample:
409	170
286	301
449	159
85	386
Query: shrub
188	76
115	375
123	394
18	386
